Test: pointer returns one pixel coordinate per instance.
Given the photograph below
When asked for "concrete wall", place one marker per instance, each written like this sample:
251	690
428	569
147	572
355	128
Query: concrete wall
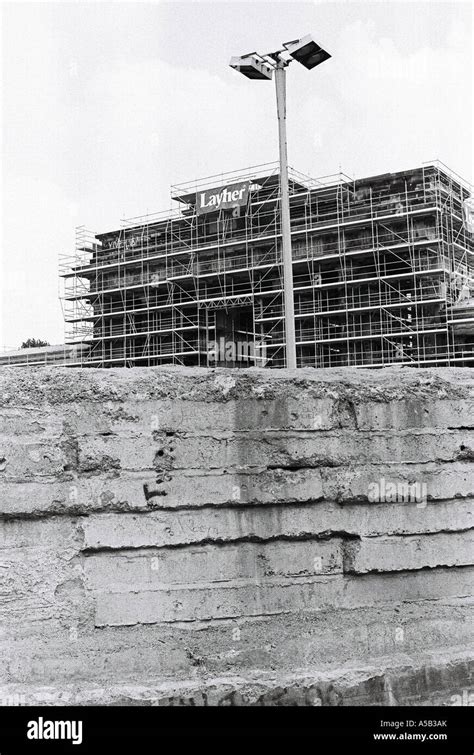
175	536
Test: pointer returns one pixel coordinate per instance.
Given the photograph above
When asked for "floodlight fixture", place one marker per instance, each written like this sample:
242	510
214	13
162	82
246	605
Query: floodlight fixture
252	66
307	52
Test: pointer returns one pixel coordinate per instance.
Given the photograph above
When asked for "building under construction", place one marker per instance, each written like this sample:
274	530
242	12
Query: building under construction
382	267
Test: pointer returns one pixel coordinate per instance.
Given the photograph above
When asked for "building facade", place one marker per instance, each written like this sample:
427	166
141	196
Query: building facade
382	266
45	356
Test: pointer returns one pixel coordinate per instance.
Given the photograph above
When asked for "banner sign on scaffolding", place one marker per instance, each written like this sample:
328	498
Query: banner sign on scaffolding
226	198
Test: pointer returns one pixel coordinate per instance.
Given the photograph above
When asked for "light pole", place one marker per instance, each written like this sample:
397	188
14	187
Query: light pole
254	66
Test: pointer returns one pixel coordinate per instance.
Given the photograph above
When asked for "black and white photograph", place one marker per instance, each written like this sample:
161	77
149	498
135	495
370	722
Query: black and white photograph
236	374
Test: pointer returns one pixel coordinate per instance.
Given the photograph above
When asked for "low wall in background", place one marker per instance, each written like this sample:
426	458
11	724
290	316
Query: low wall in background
191	536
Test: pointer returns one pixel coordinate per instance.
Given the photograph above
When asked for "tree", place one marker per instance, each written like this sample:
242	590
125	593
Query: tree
32	343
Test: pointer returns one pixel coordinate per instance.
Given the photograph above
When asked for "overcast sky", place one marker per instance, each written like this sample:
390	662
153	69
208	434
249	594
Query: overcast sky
107	104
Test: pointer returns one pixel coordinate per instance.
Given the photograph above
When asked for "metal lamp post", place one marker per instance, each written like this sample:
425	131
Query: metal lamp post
254	66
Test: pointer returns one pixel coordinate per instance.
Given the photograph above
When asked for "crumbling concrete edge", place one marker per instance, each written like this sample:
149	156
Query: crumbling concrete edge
432	679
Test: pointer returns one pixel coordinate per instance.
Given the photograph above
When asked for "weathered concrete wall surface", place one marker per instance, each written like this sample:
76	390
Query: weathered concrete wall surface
175	536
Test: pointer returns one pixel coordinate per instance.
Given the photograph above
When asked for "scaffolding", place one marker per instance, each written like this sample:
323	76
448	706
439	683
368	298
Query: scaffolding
382	271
